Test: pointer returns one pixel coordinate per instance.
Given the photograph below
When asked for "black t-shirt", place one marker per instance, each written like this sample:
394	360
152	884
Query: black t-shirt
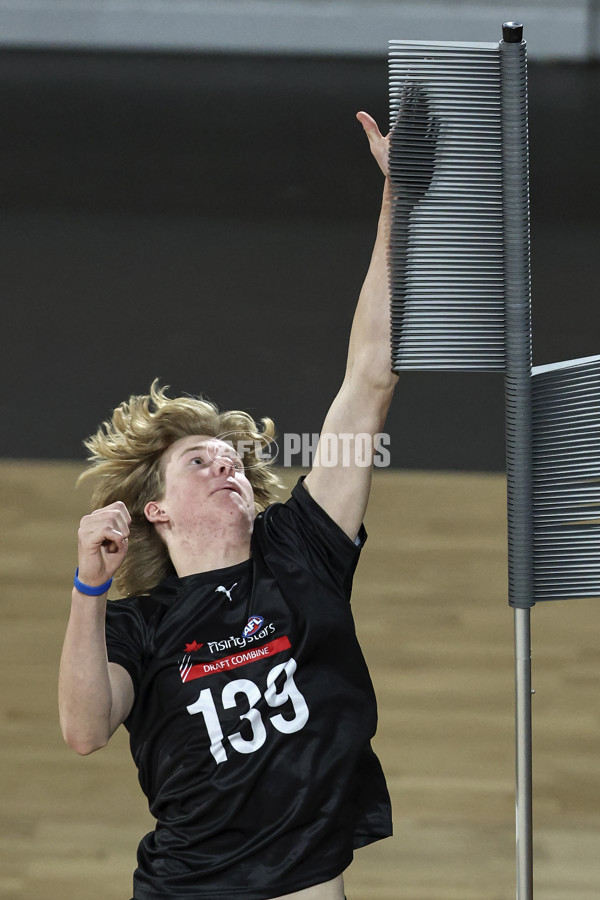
253	716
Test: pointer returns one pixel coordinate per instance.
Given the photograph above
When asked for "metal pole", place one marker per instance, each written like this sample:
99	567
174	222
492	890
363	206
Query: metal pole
517	286
524	825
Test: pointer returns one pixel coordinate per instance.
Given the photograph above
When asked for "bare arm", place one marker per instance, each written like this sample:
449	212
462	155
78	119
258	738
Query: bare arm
362	402
94	696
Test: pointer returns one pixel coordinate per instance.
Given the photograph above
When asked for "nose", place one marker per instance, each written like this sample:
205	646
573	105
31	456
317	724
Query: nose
224	463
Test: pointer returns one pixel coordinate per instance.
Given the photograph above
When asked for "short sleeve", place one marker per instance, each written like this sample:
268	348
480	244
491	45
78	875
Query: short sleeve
301	530
127	637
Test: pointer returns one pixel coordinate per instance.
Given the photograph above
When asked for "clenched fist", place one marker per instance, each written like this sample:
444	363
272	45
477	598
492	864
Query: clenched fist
103	541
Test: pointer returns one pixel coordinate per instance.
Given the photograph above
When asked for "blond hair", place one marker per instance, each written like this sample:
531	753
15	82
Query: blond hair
125	456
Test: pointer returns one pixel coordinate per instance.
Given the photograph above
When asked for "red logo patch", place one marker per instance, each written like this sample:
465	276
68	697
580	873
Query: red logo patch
190	648
241	658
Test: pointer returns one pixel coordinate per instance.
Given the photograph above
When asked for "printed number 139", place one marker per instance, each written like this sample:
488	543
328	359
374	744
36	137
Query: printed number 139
205	704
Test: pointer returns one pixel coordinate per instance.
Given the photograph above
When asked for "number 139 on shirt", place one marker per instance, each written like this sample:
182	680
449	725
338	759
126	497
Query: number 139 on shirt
205	705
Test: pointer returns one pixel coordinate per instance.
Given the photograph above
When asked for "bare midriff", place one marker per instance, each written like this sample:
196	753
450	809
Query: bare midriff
329	890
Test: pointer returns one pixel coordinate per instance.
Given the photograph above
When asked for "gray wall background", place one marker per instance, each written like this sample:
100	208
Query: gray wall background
207	218
556	30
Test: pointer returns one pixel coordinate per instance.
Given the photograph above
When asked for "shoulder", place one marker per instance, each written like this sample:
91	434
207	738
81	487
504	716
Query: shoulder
302	512
300	535
145	609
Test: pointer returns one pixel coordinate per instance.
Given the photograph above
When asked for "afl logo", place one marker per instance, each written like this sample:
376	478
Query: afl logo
255	623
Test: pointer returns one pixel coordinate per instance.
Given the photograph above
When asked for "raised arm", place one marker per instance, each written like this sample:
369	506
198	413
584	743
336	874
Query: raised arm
94	696
362	402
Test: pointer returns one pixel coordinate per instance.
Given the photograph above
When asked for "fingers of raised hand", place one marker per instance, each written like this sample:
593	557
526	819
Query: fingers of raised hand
368	122
108	527
118	508
378	143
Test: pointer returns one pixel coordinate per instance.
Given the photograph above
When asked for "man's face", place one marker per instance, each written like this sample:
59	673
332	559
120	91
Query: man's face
205	485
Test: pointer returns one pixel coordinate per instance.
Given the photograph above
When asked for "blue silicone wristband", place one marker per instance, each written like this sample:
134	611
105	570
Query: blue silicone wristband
90	591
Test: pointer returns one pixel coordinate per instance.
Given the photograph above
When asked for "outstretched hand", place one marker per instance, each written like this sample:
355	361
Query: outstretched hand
380	145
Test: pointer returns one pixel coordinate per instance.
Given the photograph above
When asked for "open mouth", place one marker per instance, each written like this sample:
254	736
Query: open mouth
229	487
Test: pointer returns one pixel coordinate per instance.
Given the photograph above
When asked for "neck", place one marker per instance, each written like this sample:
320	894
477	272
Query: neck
215	550
206	562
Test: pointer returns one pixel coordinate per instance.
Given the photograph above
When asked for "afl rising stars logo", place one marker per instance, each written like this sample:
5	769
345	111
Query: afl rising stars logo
255	623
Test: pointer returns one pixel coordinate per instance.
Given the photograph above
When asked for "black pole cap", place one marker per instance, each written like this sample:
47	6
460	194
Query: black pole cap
512	33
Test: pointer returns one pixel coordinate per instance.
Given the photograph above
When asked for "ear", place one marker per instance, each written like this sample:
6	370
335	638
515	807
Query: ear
155	513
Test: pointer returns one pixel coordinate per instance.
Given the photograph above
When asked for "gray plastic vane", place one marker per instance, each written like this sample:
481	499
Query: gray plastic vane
566	479
446	248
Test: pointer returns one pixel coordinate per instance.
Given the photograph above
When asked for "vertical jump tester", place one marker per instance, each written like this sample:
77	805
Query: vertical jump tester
461	301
